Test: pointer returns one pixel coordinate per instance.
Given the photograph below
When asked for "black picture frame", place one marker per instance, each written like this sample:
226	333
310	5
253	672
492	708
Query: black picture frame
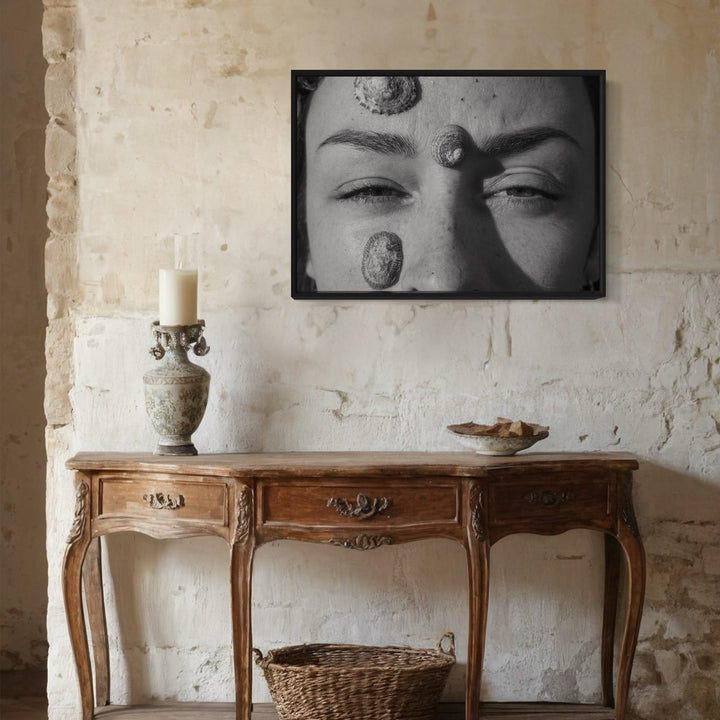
303	84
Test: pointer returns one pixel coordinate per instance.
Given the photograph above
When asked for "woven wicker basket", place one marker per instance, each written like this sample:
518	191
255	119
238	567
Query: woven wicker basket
356	682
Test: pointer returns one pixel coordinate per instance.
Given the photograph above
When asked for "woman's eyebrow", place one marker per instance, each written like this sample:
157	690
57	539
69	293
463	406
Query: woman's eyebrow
385	143
497	145
523	140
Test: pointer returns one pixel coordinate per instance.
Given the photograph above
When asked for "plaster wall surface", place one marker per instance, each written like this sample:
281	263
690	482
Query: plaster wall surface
23	568
173	116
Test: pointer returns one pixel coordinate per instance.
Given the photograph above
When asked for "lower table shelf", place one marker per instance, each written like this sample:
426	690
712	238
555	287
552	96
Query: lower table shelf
542	711
181	711
446	711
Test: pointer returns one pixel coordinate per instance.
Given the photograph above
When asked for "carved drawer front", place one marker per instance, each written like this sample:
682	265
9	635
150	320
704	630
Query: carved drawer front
358	504
551	498
162	499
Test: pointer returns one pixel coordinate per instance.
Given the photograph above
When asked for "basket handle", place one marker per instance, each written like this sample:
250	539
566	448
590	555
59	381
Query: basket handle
450	637
258	656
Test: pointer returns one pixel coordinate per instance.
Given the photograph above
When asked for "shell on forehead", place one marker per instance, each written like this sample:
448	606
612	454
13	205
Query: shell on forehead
449	146
386	94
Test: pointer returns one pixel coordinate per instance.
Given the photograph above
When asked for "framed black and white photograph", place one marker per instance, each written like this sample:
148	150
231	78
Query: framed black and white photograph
448	184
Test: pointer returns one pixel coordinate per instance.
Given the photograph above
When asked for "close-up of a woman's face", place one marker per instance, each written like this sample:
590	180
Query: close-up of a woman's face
449	184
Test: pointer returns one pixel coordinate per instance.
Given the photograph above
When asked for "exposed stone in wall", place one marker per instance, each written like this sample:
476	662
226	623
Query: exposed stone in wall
61	261
58	33
678	664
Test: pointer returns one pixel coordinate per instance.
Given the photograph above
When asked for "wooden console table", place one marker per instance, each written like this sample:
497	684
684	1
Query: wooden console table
358	501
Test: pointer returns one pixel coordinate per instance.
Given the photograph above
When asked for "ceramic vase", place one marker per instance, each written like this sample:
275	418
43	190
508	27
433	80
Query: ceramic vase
176	390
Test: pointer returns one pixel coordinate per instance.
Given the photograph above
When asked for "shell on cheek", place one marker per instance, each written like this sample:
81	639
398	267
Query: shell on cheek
382	260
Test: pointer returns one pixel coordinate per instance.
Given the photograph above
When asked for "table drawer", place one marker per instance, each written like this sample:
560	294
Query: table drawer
192	499
550	497
354	504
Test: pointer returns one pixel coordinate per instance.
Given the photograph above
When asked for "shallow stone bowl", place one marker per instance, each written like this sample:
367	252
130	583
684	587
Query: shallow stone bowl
494	444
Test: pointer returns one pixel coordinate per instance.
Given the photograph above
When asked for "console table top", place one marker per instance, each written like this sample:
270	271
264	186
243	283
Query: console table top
329	464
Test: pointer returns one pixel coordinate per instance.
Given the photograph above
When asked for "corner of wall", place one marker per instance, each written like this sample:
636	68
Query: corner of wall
59	47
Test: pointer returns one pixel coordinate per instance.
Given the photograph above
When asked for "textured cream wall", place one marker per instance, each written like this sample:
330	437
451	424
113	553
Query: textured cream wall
181	111
23	118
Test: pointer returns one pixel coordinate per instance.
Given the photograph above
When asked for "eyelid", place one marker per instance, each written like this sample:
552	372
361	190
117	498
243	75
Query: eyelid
367	182
524	176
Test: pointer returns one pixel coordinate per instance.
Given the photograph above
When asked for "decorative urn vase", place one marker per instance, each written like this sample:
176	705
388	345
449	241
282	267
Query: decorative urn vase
176	391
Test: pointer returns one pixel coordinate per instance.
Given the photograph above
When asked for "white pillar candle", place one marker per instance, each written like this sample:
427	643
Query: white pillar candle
178	297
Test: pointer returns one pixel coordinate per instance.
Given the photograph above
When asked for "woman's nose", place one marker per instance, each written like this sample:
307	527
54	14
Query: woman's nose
433	271
435	257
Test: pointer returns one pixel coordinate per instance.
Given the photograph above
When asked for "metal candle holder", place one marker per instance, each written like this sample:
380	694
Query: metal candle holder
176	391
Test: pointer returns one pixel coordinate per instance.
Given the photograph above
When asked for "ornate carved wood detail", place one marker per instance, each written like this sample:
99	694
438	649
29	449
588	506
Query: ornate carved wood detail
548	498
476	513
160	501
242	513
78	526
362	542
363	508
627	512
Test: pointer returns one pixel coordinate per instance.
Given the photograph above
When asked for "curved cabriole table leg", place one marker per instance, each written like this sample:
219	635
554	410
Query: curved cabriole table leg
629	539
95	605
612	583
78	541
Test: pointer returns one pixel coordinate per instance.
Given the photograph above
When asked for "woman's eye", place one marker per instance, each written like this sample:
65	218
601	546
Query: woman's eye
370	192
523	189
520	191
